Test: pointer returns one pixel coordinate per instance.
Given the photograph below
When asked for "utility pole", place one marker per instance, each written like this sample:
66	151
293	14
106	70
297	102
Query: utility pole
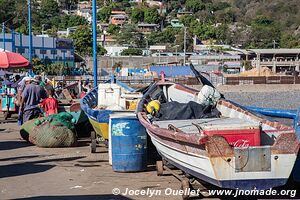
29	30
43	27
3	31
184	48
274	44
95	43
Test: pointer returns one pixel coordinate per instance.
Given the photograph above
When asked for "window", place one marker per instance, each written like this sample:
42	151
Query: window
43	51
53	51
20	50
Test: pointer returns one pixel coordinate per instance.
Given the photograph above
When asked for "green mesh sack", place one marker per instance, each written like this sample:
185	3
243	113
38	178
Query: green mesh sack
62	119
49	135
27	128
53	131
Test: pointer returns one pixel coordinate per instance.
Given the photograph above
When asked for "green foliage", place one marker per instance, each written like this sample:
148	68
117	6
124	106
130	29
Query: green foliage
151	16
83	42
48	9
263	32
104	13
289	41
137	15
6	5
221	5
203	31
194	5
131	52
252	23
50	68
131	36
113	29
168	35
188	19
66	21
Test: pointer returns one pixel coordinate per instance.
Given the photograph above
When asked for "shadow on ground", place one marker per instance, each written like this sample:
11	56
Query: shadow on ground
77	197
9	145
31	167
18	158
22	169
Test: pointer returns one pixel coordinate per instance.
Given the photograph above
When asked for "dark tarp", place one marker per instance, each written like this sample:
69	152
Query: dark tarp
180	111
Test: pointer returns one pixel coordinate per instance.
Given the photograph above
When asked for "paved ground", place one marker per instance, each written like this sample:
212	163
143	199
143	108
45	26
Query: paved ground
29	172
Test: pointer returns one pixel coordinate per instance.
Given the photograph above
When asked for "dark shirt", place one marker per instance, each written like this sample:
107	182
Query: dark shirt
32	95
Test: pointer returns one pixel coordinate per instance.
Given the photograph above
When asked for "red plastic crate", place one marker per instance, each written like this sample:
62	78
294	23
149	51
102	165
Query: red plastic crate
239	137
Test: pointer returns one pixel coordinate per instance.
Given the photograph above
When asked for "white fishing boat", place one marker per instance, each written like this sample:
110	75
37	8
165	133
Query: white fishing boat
232	149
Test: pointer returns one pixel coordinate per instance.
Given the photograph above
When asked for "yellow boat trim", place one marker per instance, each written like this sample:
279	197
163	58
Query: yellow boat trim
100	128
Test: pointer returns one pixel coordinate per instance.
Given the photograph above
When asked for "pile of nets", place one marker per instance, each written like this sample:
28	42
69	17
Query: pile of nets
54	131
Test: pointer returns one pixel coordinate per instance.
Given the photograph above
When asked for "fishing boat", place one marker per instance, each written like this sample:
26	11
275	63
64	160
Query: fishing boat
109	97
234	148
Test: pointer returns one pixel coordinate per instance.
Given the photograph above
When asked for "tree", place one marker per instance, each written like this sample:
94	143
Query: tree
167	36
223	34
48	9
194	5
131	36
67	21
203	31
289	41
113	29
104	14
151	16
263	32
132	52
83	42
7	10
137	15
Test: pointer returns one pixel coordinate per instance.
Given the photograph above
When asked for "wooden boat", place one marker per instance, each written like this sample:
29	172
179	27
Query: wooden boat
238	149
96	106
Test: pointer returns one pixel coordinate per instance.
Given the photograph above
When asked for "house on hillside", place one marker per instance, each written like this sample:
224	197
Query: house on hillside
86	13
107	40
175	23
183	13
118	20
147	28
102	26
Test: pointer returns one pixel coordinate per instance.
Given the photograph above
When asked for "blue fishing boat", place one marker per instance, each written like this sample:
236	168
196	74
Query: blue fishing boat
109	97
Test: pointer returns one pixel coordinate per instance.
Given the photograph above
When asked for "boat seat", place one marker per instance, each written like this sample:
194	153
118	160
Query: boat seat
208	124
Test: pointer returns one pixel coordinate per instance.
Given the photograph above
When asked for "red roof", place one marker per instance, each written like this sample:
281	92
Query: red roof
12	60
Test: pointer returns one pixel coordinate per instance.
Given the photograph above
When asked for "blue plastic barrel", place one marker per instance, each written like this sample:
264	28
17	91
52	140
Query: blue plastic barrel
129	143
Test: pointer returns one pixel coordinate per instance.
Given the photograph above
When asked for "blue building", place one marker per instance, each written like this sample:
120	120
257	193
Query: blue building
48	49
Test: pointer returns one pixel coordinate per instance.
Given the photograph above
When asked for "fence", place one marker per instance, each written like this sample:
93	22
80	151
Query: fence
250	80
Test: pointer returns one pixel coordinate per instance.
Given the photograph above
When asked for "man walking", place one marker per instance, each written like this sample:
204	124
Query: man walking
31	98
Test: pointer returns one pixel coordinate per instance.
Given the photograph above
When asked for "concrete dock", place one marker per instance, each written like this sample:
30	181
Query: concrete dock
30	172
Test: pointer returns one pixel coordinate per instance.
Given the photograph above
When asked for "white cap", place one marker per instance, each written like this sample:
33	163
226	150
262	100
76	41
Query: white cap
22	82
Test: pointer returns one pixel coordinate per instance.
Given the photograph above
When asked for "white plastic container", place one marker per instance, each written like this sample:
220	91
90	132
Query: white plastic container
108	95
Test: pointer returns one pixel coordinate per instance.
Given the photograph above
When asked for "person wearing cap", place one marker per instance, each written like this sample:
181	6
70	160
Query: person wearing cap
21	86
31	98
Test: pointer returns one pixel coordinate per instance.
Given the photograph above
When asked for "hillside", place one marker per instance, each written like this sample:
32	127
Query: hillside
243	23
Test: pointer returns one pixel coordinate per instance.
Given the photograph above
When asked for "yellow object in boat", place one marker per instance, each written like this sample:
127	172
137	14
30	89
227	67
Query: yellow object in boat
100	128
153	106
132	105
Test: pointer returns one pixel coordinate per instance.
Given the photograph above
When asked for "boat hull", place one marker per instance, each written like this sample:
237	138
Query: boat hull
219	172
101	129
